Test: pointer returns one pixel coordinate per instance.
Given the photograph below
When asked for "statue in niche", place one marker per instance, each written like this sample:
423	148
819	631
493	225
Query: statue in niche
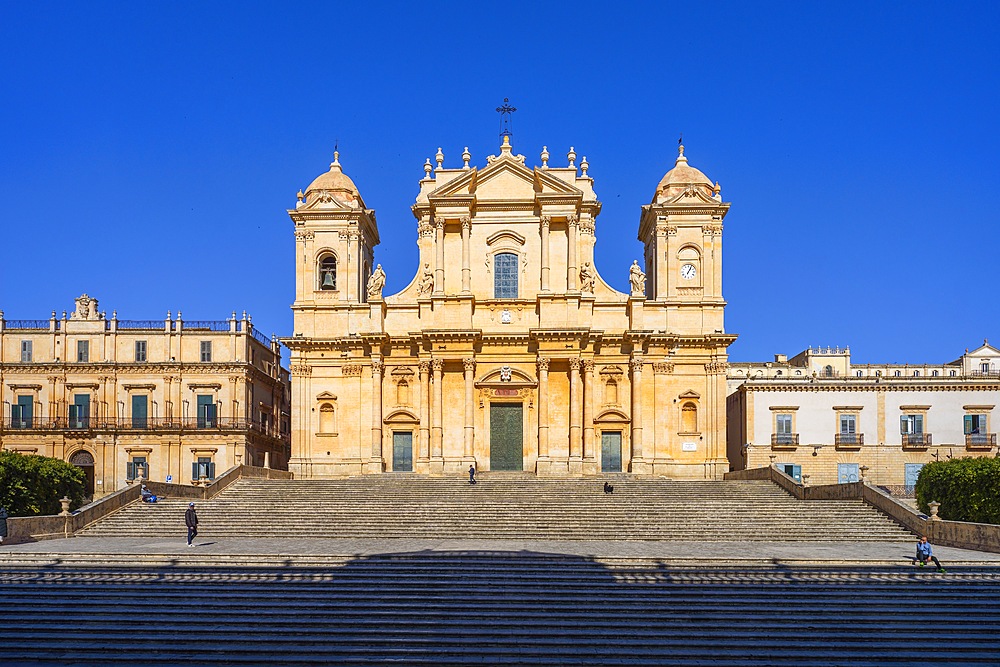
587	278
426	285
376	281
637	279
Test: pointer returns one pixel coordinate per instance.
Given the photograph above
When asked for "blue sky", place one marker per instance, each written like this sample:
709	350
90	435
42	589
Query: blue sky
148	151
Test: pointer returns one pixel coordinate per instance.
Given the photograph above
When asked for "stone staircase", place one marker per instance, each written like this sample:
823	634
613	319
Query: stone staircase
509	507
495	608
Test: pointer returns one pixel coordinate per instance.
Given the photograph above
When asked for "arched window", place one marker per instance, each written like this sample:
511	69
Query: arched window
689	418
828	371
505	276
916	374
897	373
952	373
859	373
777	373
326	275
934	373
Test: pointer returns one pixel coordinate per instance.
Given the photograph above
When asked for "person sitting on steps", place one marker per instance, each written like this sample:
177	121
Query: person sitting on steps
924	552
608	488
147	495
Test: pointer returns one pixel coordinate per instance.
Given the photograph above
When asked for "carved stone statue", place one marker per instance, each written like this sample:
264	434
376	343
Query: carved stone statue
637	279
376	281
426	285
86	308
587	278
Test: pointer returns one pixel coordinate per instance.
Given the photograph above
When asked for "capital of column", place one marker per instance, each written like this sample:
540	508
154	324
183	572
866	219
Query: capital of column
572	220
424	367
466	223
378	366
469	364
437	365
588	365
575	363
546	221
543	364
635	363
439	222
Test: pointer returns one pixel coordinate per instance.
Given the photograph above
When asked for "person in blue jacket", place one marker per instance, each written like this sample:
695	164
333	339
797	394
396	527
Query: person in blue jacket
925	553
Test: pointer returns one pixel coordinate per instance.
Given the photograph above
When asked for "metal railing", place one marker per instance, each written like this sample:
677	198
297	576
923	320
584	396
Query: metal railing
26	324
916	439
260	338
155	325
849	439
986	440
784	439
207	325
127	424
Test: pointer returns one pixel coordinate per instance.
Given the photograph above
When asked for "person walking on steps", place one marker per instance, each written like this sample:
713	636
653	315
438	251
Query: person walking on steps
3	523
191	520
472	474
925	553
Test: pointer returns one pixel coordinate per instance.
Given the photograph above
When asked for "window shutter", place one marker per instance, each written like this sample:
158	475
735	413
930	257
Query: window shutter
129	470
211	470
904	425
194	470
918	424
968	424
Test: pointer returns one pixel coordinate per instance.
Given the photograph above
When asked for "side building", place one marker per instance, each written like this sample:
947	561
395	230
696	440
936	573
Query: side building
826	420
150	398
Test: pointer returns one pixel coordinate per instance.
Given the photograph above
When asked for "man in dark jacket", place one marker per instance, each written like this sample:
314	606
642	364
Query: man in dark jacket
191	519
3	523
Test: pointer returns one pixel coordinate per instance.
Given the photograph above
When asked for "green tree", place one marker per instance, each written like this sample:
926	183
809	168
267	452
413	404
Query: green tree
32	485
967	488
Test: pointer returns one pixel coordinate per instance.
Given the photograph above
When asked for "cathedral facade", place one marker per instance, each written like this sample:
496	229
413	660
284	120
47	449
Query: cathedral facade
507	350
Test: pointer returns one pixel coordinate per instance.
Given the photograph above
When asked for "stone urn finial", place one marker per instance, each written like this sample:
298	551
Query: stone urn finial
934	507
64	501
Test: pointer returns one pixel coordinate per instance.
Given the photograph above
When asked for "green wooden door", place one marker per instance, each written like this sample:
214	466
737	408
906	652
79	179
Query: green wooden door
506	436
611	451
402	451
140	406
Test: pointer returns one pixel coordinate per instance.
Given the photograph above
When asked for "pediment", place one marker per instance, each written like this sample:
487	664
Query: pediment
985	350
690	394
505	235
497	376
326	396
401	416
505	178
692	194
611	416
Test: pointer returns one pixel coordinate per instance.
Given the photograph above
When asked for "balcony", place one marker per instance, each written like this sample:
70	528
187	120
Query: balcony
915	441
126	425
849	440
980	441
784	440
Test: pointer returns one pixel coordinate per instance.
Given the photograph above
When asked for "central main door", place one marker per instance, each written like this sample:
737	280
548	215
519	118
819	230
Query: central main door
506	436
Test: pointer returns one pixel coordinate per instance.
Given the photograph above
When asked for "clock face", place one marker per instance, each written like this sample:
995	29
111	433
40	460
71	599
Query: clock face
688	272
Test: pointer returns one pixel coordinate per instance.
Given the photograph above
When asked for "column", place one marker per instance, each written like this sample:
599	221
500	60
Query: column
661	250
543	407
546	220
424	368
351	268
575	448
377	367
439	255
437	365
636	364
588	409
470	413
572	271
466	264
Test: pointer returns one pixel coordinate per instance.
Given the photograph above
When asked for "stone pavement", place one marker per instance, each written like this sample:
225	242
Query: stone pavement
678	553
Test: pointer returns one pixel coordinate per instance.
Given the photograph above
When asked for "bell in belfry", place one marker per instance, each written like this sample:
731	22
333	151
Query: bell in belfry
329	282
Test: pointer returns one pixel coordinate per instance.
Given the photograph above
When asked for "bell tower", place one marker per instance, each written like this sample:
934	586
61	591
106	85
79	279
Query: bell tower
335	234
681	230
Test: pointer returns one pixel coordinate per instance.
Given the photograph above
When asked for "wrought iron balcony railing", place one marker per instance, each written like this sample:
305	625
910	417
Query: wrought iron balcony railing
143	424
849	439
980	440
916	439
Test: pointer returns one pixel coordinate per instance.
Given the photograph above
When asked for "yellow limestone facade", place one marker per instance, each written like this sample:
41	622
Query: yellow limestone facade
507	350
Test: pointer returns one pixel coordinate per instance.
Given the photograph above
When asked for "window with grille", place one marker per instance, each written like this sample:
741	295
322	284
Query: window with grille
505	276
